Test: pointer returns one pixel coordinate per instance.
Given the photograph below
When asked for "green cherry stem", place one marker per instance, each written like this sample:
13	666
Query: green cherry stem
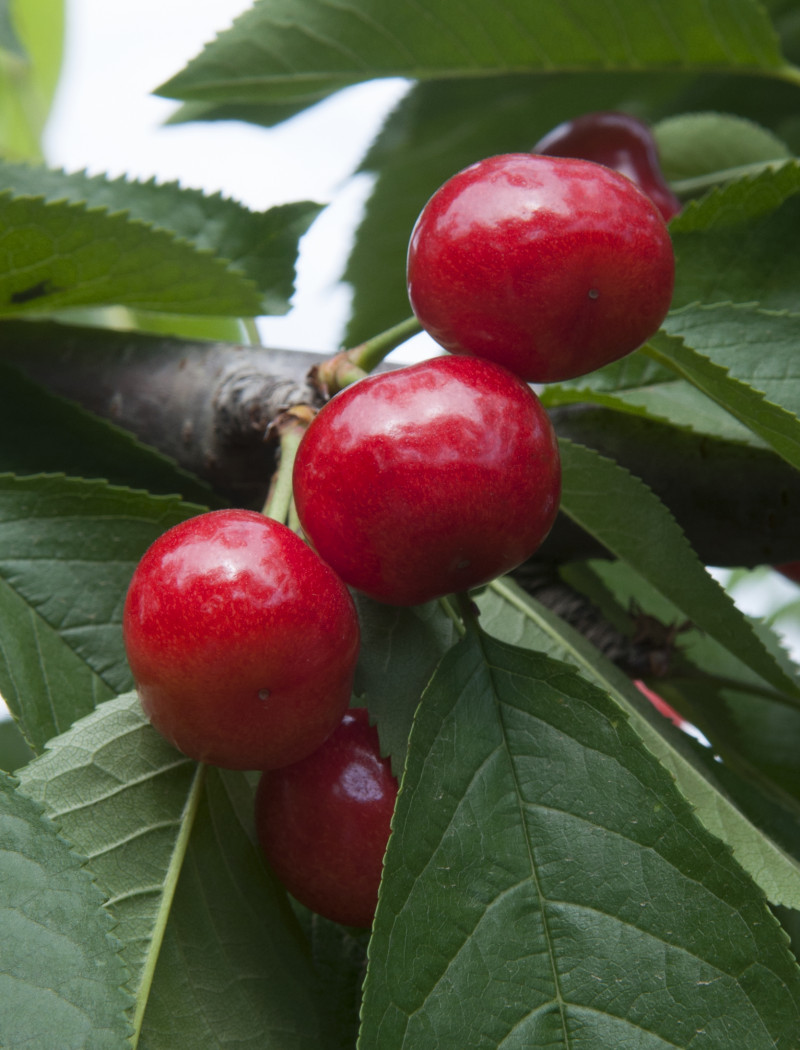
290	426
350	365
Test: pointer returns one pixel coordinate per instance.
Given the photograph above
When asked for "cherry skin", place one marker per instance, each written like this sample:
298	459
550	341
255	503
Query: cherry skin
427	480
323	823
789	569
242	643
619	141
549	266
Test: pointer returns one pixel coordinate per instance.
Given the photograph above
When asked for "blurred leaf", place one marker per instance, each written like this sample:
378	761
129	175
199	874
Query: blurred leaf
621	512
32	38
572	896
169	844
400	649
42	433
777	427
59	254
260	245
61	978
288	51
68	548
696	144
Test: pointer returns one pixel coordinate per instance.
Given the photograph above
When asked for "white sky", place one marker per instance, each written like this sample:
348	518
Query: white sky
105	119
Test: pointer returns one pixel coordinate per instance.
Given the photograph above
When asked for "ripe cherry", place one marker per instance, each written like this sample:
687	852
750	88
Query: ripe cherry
242	643
789	569
428	480
619	141
550	266
323	823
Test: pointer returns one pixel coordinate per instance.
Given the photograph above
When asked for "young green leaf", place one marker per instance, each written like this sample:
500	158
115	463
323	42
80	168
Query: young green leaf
58	254
61	979
621	512
545	875
68	548
260	245
296	49
169	843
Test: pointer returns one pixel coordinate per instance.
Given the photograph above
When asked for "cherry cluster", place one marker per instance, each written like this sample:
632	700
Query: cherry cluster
410	485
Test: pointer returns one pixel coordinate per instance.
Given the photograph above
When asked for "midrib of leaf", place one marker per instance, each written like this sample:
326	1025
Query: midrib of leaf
170	885
689	776
559	998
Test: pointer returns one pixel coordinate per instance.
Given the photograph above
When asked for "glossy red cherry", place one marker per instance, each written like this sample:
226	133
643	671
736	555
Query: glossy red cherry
242	643
619	141
323	823
550	266
427	480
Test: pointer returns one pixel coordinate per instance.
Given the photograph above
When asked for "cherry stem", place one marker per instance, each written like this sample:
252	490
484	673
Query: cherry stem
350	365
290	427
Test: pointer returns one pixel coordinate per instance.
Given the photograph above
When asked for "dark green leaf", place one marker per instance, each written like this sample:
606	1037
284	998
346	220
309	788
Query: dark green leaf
260	245
510	614
61	979
14	752
67	551
547	885
400	649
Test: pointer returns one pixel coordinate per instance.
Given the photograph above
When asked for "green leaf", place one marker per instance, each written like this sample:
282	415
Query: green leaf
777	427
756	347
512	615
14	752
67	551
213	949
400	649
61	979
621	512
58	254
738	243
283	51
32	38
570	893
695	144
260	245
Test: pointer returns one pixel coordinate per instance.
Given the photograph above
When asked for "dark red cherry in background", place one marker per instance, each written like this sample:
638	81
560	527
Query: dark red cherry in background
428	480
242	642
789	569
620	141
550	266
323	823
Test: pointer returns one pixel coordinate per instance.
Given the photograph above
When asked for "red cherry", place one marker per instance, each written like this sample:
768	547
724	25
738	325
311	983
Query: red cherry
428	480
242	643
619	141
323	823
550	266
